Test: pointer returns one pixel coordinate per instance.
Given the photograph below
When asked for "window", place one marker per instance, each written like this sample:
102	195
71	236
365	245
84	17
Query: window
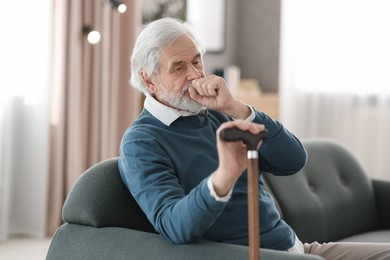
338	45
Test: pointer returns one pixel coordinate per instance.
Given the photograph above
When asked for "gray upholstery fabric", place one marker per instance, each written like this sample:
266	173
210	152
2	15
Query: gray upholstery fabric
330	198
75	242
376	236
100	199
382	197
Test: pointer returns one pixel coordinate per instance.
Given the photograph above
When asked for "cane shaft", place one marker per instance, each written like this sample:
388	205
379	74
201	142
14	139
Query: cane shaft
253	209
252	142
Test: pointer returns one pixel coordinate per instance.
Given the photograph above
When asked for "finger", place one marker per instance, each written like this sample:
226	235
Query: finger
243	125
199	81
210	85
208	89
207	86
256	128
213	84
198	87
211	89
194	94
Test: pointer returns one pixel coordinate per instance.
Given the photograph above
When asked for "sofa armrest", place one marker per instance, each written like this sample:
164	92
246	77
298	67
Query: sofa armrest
100	199
73	241
382	199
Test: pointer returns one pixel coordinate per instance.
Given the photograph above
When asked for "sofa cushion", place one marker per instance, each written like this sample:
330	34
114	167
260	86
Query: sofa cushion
100	199
377	236
74	242
330	198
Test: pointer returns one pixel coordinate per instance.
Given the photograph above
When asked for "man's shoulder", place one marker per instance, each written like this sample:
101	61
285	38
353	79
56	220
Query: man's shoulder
144	125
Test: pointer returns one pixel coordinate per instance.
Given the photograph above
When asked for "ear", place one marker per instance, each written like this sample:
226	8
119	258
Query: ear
148	82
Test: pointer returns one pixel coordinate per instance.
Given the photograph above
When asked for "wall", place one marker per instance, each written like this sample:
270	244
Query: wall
258	54
252	41
228	55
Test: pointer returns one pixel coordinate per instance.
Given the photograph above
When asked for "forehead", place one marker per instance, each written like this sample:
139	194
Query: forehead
182	49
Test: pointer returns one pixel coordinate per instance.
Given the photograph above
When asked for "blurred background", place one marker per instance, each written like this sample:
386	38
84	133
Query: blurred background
321	67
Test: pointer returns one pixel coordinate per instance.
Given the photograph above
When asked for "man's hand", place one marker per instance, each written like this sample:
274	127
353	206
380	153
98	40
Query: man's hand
232	157
213	93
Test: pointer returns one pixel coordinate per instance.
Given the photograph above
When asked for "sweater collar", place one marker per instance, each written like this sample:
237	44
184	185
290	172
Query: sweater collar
167	115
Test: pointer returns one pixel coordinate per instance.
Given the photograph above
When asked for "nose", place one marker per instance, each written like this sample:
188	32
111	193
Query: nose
194	73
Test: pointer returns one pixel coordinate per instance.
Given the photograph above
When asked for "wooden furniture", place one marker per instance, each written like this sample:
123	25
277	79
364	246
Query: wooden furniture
249	92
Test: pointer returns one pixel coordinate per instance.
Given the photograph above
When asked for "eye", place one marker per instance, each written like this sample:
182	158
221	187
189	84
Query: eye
197	63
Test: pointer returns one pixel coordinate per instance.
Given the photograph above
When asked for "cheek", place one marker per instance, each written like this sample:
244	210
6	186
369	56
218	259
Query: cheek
178	84
174	83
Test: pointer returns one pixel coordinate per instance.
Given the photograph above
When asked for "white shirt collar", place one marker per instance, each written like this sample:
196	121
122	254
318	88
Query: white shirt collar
167	115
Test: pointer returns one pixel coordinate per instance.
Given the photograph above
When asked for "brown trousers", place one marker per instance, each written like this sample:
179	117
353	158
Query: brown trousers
349	250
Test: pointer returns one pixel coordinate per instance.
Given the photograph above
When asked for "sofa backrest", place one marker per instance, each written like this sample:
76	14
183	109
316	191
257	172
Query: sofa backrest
330	198
100	199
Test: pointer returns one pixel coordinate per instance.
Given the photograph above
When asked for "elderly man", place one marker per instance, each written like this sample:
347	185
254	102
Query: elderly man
190	184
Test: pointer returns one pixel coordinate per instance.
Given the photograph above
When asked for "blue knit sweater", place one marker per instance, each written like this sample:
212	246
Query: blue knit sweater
166	169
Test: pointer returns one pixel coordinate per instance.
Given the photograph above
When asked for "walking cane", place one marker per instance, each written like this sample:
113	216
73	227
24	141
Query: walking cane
252	141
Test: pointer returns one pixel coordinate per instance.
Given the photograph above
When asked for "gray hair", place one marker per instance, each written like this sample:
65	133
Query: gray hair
153	39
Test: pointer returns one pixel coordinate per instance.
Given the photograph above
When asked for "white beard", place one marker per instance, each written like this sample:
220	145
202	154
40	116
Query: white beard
181	102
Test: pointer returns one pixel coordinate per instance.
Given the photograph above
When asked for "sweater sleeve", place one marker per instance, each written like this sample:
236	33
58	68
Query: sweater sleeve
150	176
282	153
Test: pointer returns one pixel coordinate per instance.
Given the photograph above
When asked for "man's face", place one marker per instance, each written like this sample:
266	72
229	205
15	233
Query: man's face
181	62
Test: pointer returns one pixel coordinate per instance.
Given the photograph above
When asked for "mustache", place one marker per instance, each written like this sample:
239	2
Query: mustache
185	88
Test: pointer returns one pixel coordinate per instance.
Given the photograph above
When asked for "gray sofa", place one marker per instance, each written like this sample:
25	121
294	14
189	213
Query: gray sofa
331	199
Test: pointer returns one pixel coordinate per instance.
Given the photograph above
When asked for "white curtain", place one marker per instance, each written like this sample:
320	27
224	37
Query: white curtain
335	75
24	79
